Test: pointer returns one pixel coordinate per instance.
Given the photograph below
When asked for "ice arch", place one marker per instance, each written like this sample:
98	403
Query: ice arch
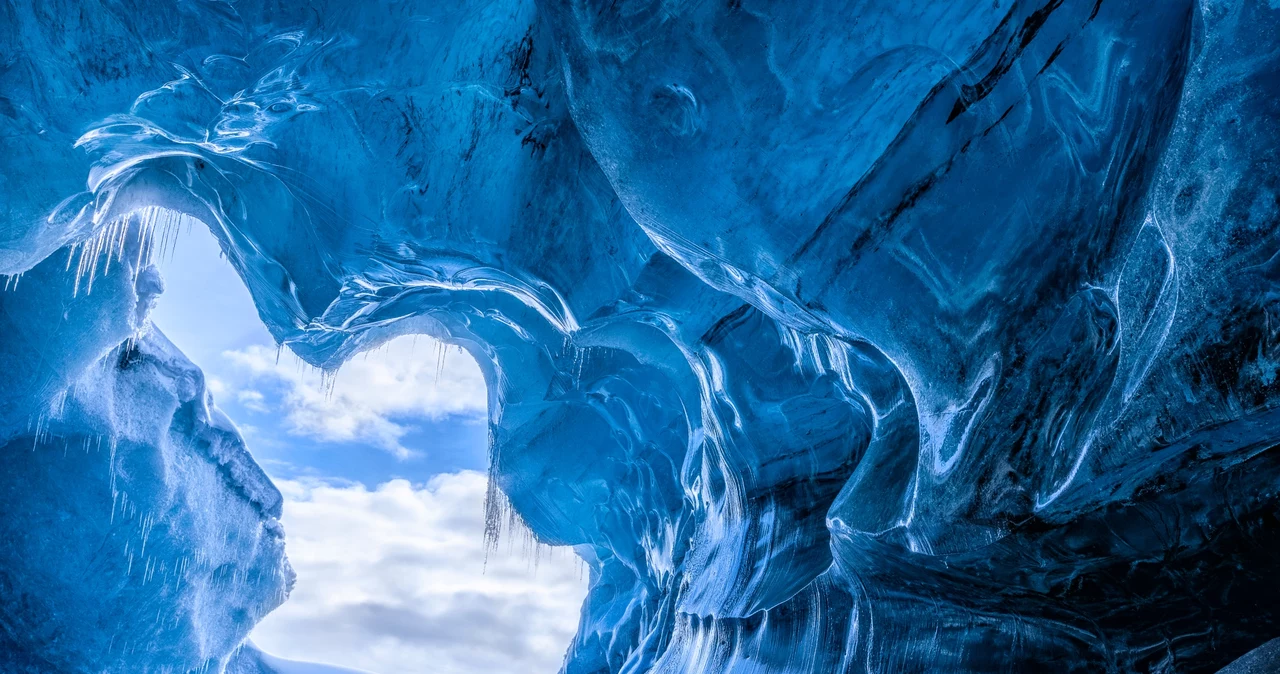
881	336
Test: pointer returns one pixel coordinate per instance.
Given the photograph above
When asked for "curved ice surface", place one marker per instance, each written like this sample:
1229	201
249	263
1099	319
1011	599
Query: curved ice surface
875	336
249	660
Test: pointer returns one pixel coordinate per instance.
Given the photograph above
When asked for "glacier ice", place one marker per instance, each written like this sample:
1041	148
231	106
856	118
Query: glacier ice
140	536
250	660
879	335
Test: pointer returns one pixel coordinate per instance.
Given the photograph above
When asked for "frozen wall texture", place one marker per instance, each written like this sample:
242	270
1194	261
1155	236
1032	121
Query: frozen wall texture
876	335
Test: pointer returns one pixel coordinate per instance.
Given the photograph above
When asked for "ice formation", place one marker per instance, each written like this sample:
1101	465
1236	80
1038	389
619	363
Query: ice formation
880	335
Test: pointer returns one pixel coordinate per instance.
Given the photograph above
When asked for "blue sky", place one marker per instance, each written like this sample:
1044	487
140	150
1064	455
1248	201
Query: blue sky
208	313
383	478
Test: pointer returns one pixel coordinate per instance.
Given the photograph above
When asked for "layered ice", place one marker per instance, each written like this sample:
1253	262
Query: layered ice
838	336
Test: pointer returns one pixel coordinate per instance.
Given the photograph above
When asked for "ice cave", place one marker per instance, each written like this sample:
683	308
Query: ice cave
831	336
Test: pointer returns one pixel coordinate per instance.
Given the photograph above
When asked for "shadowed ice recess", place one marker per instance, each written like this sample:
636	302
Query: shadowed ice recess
862	336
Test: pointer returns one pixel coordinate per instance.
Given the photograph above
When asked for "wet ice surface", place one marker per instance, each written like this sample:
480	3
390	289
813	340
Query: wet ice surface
895	336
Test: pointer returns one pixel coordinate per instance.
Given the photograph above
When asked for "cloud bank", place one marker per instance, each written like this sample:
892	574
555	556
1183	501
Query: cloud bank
374	398
393	580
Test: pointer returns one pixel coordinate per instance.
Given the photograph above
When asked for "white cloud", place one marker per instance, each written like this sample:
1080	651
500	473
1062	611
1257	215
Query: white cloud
253	400
374	397
393	581
215	385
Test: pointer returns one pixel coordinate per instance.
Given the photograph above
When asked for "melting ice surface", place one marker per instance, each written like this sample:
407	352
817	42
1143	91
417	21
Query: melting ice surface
866	336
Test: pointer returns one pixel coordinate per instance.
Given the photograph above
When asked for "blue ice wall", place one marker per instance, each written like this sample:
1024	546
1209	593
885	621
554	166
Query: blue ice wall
139	534
835	336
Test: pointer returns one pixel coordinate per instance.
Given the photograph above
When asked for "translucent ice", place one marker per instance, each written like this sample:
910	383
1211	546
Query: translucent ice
884	336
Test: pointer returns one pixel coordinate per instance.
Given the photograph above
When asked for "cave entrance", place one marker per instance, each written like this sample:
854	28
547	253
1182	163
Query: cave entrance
383	470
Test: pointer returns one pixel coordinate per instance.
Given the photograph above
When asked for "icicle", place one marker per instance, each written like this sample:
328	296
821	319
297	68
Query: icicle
442	351
111	240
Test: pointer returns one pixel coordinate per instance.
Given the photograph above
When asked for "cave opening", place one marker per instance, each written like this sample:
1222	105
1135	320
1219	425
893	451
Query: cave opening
383	468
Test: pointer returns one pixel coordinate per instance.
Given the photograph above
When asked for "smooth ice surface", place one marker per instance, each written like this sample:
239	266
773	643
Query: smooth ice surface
252	661
879	336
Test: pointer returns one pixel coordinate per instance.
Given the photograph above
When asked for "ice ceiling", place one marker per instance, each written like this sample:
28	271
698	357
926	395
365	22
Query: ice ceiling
879	335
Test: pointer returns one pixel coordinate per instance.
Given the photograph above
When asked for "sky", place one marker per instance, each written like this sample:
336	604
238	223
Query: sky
383	474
